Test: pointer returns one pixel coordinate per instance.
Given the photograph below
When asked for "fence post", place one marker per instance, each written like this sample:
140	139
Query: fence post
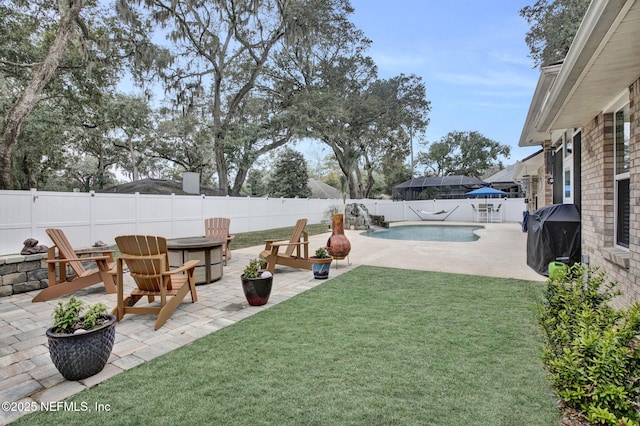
32	210
203	207
173	215
137	212
92	231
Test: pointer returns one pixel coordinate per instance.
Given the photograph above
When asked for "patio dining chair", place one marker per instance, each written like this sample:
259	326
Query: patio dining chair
496	215
479	213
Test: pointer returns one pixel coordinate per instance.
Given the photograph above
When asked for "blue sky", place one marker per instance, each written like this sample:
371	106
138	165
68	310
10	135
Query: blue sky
471	56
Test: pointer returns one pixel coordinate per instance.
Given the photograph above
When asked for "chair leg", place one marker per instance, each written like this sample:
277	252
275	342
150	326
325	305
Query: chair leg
271	264
172	304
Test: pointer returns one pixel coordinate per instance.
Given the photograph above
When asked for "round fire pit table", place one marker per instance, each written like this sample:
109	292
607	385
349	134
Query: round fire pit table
207	250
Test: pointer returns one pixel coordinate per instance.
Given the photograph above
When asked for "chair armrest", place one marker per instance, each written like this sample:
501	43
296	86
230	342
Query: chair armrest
276	246
103	252
80	259
189	265
289	244
275	240
268	244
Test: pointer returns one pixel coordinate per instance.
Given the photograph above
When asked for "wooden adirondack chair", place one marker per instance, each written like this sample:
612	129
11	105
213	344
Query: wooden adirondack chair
218	227
295	251
61	284
147	260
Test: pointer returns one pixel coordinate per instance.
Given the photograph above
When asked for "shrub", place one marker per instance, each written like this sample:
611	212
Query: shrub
591	350
67	317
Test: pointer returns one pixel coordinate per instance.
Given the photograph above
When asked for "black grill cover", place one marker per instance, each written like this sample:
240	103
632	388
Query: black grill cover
553	235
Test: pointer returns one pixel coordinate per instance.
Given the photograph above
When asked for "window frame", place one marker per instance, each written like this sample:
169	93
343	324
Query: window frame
621	176
568	189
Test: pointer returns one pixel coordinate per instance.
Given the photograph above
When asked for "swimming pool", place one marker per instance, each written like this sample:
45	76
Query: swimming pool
447	233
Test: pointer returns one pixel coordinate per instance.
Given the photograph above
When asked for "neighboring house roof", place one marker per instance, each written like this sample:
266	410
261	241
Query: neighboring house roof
320	189
602	62
157	186
529	166
506	175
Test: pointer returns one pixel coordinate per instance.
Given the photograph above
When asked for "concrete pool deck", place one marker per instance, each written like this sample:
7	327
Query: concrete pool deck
28	377
499	252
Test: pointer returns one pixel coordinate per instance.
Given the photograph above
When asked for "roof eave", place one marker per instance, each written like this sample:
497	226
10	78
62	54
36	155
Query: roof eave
531	135
599	24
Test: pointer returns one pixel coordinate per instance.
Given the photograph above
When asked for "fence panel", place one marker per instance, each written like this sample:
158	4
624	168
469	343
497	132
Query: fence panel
16	221
89	217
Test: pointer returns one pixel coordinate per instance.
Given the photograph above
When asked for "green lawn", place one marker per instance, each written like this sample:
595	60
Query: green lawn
374	346
256	238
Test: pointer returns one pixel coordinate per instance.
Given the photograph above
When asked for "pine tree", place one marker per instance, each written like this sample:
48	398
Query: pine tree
289	178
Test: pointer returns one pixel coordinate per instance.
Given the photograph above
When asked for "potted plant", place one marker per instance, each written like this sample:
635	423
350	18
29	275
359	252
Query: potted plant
321	264
81	338
256	282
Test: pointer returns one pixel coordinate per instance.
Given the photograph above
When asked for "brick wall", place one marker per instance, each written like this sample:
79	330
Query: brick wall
633	287
598	212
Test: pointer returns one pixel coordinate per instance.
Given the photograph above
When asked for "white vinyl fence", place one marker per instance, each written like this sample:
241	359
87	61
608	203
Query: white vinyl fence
90	217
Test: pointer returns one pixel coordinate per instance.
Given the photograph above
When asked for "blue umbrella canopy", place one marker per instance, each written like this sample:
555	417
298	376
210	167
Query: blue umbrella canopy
486	191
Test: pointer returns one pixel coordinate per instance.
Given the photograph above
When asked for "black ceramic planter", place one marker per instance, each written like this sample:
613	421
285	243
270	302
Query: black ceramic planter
257	290
78	356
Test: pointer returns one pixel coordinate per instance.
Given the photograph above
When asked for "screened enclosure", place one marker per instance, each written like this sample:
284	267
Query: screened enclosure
436	187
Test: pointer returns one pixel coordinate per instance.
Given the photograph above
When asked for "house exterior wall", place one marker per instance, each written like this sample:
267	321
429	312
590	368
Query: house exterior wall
598	209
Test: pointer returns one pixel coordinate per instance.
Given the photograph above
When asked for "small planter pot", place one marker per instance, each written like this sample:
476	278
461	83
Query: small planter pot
320	267
78	356
257	290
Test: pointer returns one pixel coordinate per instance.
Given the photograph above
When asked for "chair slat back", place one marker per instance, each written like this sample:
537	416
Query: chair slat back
65	250
217	227
296	236
153	259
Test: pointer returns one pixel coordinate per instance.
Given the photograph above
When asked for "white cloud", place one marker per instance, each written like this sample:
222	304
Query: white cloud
488	79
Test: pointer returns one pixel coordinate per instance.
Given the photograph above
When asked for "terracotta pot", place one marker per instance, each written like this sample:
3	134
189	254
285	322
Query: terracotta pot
338	244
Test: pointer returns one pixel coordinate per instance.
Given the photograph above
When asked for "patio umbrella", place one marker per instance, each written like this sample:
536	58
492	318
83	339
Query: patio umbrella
486	191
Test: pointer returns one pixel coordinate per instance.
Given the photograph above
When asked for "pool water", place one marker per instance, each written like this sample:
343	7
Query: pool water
447	233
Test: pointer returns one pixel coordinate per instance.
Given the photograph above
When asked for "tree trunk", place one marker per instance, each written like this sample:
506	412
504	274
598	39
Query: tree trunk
25	103
134	162
345	162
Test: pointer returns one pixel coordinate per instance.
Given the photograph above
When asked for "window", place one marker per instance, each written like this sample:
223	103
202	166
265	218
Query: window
622	133
567	184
